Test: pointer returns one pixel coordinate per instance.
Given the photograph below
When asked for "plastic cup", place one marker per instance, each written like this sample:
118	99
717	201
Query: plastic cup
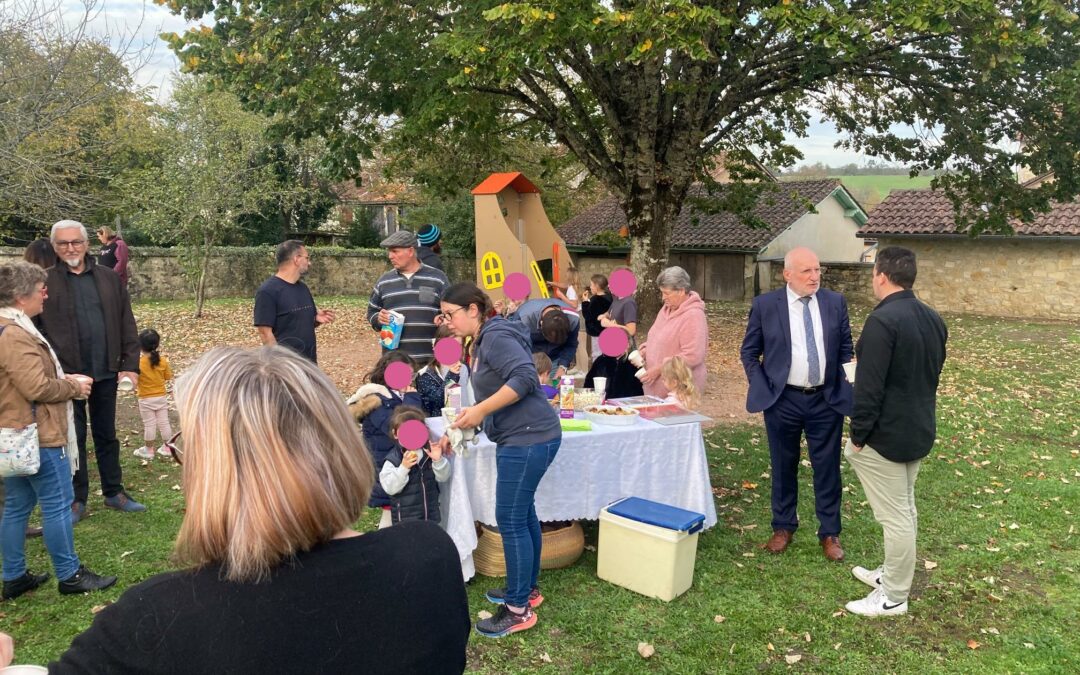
849	371
635	358
24	670
81	378
125	384
600	386
640	374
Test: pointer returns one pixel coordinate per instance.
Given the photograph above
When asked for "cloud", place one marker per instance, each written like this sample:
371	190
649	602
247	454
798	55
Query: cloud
133	28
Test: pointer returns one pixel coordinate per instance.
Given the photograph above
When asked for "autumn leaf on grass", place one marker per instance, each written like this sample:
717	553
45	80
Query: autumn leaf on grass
929	564
645	649
972	644
483	614
793	658
747	485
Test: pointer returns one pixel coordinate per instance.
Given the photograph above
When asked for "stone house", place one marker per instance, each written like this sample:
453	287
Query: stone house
726	258
1033	273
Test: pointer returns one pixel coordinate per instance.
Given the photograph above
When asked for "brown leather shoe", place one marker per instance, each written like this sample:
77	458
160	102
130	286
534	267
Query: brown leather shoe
831	547
778	541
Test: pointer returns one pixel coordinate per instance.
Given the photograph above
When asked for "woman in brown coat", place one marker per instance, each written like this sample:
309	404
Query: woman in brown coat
34	389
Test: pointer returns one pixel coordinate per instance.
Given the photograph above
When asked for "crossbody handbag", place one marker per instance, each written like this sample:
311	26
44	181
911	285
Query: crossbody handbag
20	454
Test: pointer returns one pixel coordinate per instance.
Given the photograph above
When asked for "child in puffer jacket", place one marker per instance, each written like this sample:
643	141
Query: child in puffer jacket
371	406
412	477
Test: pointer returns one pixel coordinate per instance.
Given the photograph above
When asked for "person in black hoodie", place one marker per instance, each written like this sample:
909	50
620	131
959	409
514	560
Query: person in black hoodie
526	431
900	356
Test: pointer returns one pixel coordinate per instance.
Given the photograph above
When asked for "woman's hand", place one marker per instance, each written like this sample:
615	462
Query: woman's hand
7	650
641	349
469	418
606	321
445	448
651	375
85	383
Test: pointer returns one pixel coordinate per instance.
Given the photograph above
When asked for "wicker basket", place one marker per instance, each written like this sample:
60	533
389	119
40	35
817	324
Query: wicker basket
560	548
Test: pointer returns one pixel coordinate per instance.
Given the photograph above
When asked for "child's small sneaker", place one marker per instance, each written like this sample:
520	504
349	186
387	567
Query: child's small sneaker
144	453
498	596
165	451
506	622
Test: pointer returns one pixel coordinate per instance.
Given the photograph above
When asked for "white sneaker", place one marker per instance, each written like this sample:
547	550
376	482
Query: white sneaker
876	604
144	453
164	451
871	578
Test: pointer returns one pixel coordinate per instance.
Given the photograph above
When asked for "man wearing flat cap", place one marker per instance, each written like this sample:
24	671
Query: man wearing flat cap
429	236
411	288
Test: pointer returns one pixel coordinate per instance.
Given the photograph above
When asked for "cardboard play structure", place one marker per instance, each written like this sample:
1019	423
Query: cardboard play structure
513	234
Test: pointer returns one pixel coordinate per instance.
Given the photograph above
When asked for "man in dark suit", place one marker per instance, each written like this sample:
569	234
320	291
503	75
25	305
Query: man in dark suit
797	339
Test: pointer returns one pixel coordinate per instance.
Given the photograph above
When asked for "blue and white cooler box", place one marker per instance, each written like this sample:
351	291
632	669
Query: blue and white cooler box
648	547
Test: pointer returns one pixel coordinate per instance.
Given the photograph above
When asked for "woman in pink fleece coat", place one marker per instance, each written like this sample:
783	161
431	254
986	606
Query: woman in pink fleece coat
680	328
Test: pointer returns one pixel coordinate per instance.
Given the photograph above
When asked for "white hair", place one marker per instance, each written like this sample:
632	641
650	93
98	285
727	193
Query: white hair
674	278
66	225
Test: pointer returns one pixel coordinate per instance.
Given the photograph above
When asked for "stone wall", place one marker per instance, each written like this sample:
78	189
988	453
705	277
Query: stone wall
1020	277
851	279
156	274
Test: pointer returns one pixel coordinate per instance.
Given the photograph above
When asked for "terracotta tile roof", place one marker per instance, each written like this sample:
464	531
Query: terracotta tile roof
929	212
779	207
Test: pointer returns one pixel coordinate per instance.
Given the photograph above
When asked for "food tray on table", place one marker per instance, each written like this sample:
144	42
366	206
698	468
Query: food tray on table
612	415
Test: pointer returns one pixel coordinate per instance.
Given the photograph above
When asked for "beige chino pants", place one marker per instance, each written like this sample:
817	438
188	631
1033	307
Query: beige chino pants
890	489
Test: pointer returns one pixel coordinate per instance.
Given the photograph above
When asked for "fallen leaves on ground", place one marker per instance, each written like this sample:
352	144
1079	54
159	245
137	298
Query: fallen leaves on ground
645	649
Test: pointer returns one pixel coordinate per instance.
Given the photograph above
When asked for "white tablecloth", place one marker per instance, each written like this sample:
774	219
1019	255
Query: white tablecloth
594	468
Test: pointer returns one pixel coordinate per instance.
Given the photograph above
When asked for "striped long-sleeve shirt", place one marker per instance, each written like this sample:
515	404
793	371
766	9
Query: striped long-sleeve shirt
418	299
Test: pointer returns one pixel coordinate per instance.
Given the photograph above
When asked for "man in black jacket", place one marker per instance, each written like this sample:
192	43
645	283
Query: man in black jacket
900	356
89	323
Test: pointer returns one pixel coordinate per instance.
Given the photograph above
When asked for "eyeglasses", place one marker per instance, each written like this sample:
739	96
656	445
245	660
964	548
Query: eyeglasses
446	316
74	243
174	448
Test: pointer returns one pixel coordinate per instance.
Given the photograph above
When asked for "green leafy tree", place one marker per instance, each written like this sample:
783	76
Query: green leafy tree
647	93
71	118
217	173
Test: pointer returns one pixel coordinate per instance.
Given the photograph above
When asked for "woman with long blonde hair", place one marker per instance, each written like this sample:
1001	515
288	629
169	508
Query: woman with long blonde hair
276	579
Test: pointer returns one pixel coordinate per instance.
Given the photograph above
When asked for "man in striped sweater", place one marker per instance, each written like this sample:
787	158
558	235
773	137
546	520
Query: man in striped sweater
412	289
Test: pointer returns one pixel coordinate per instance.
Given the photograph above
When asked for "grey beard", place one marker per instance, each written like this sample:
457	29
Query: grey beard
72	262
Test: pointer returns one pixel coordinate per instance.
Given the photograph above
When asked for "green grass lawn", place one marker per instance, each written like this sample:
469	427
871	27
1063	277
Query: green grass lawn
996	589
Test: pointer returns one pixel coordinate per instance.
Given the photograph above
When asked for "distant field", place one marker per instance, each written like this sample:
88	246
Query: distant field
870	190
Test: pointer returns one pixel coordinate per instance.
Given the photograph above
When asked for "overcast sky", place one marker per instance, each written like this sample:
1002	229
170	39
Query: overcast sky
142	21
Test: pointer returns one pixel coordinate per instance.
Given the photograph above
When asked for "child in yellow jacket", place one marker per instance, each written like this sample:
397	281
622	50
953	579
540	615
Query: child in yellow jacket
154	372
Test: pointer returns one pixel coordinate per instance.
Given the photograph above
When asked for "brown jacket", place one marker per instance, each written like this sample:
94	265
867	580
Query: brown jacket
58	324
28	375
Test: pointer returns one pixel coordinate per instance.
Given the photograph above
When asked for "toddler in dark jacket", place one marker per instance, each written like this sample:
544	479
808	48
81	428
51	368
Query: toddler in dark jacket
412	477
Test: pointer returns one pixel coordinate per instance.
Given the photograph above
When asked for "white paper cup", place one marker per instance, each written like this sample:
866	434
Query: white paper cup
600	385
849	371
125	384
24	670
640	374
635	358
81	378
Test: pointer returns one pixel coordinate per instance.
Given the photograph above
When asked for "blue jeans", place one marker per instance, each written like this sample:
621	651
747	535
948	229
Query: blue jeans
520	469
51	486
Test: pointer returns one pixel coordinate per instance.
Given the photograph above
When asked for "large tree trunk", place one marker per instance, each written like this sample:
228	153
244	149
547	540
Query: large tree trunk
650	218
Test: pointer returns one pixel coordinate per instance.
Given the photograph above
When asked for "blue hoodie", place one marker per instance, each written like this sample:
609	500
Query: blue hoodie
501	356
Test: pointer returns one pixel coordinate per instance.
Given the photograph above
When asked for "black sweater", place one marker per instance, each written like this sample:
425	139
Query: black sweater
900	354
391	601
591	310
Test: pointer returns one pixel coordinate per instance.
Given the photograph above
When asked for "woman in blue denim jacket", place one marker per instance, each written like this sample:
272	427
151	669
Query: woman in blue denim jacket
517	417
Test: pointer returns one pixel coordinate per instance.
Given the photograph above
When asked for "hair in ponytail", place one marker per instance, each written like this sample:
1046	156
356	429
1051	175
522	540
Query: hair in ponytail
149	341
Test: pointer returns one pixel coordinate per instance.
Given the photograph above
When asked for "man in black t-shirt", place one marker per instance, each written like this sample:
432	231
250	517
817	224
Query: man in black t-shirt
285	312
